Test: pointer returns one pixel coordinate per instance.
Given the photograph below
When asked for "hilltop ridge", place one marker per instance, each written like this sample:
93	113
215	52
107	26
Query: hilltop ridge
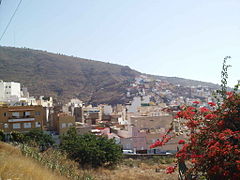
65	77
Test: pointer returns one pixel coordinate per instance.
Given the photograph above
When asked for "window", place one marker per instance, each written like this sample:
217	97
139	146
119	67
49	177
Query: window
37	124
27	125
6	125
70	124
37	113
63	125
16	126
5	114
26	113
15	114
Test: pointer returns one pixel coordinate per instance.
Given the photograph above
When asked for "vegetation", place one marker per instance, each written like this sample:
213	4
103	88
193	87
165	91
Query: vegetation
53	164
2	136
91	150
213	144
64	77
13	165
57	161
34	137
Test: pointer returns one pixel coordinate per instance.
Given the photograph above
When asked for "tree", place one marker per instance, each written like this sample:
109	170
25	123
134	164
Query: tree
90	150
34	137
213	143
39	138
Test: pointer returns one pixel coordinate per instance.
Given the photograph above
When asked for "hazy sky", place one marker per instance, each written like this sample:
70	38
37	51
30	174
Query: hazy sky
183	38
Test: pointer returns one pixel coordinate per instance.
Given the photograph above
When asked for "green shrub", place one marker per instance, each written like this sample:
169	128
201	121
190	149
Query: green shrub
90	150
35	137
2	136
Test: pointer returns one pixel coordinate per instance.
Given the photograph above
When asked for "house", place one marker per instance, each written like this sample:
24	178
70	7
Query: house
21	118
136	142
62	122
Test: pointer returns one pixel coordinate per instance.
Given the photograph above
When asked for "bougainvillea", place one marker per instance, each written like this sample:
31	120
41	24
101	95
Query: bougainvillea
212	146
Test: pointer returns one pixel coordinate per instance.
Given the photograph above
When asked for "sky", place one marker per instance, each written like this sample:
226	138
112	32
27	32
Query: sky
186	38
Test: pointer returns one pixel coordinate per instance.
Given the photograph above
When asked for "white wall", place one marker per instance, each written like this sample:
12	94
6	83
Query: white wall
9	90
107	109
12	89
2	91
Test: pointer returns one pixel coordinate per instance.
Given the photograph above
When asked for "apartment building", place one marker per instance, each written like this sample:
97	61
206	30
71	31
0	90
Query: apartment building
21	118
9	90
62	122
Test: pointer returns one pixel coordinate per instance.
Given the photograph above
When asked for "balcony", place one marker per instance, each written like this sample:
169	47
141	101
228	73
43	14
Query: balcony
21	119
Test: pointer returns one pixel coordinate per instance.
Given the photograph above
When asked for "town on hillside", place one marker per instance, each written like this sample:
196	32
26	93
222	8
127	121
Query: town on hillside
135	125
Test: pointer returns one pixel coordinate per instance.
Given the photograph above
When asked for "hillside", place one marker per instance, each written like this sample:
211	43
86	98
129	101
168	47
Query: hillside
65	77
13	165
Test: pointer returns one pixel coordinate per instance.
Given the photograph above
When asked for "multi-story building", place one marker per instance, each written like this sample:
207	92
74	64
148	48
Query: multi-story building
9	90
62	122
21	118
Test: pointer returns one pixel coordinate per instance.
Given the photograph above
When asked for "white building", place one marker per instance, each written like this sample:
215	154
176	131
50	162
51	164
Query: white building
9	91
45	101
107	109
136	103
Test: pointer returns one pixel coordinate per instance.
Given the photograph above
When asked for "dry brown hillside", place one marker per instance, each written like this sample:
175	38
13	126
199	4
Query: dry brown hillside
13	165
65	77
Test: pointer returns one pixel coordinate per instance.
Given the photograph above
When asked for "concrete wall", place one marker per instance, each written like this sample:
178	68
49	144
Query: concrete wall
149	122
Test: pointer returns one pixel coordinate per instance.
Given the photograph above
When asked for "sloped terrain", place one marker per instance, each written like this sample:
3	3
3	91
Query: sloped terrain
65	77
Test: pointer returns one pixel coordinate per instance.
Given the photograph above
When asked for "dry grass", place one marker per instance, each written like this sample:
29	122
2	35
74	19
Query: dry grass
144	172
137	173
134	170
15	166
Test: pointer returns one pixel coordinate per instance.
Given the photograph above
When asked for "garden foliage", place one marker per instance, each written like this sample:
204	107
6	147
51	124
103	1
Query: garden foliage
213	136
91	150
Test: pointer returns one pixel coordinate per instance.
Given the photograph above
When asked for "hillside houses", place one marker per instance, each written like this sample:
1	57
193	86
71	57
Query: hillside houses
135	125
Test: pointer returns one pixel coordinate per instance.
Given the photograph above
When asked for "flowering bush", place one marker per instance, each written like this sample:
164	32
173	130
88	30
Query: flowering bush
213	144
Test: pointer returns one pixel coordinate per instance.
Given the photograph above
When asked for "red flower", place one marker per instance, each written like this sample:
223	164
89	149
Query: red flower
170	169
210	116
181	141
220	123
212	104
194	161
204	109
196	102
229	93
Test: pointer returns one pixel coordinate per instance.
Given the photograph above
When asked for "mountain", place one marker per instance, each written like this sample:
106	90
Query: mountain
65	77
186	82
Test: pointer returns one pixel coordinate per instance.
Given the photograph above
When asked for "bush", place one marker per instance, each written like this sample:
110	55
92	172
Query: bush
213	144
34	137
90	150
2	136
39	138
17	137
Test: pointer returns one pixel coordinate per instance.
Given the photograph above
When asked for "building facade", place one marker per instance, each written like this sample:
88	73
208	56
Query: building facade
62	122
21	118
9	90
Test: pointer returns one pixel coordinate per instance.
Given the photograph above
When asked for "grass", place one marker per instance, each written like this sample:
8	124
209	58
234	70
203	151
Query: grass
26	163
13	165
